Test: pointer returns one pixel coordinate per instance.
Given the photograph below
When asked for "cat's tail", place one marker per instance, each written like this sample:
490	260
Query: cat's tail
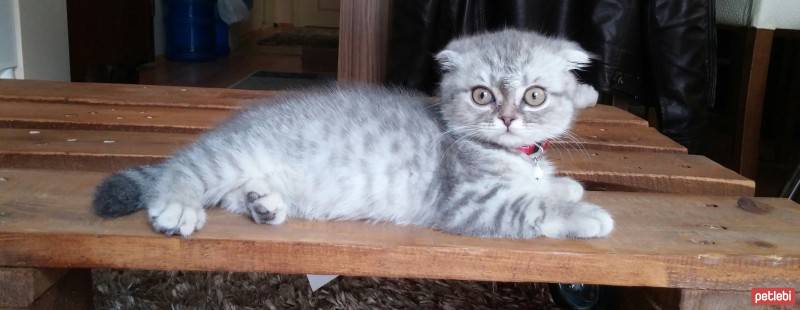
124	192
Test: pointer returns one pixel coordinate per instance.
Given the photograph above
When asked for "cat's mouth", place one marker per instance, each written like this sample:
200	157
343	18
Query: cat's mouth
511	139
515	138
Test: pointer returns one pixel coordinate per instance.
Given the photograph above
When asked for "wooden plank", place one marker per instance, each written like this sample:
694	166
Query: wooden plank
86	150
171	119
650	172
92	142
754	83
19	97
602	114
127	94
20	287
72	292
363	40
715	300
621	138
693	299
93	116
103	150
660	240
175	118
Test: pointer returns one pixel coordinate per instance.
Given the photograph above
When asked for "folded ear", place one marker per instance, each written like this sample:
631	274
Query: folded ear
576	56
585	96
448	60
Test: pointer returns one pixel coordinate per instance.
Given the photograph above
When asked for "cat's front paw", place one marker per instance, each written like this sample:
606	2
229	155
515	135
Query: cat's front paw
174	218
266	208
579	220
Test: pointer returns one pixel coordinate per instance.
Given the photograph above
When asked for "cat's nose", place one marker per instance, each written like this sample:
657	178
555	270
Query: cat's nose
507	120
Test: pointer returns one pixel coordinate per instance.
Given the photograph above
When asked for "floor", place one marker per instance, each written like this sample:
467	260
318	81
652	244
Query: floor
247	59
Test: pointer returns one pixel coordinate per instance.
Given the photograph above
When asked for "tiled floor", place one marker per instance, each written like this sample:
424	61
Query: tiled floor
243	61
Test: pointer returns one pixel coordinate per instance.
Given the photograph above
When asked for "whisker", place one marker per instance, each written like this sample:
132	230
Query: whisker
459	140
572	140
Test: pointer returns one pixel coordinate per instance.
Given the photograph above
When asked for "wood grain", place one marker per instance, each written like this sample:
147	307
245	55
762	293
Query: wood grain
91	150
754	84
650	172
20	287
83	98
72	292
164	119
621	138
16	112
363	40
693	299
602	114
661	240
105	150
127	94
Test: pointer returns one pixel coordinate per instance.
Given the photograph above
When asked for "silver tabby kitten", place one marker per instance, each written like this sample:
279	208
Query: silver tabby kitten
370	153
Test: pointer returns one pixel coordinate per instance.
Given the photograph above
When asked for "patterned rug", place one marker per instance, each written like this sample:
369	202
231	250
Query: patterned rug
133	289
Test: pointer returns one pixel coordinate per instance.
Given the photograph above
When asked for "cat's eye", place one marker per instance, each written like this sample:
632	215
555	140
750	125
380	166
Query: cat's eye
535	96
482	95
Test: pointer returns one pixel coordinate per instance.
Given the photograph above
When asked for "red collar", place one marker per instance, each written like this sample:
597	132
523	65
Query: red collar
534	148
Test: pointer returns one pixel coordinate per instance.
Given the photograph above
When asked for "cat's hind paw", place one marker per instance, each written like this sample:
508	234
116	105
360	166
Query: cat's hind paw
266	208
176	219
581	220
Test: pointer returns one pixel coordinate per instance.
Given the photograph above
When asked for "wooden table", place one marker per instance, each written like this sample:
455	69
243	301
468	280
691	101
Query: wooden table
57	140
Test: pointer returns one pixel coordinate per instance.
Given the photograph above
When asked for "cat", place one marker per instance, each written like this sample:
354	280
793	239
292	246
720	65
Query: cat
359	152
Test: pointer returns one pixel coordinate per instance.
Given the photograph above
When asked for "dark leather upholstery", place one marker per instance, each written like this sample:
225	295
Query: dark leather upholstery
657	52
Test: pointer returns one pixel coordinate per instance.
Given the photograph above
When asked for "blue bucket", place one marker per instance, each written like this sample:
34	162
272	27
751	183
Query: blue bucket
222	47
190	30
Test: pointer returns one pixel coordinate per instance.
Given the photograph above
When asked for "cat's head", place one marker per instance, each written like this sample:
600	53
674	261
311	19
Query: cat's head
511	87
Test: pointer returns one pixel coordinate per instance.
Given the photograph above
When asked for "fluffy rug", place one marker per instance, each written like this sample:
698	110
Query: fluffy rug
135	289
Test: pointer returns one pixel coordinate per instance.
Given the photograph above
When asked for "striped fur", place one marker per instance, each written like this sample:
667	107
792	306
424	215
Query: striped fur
357	152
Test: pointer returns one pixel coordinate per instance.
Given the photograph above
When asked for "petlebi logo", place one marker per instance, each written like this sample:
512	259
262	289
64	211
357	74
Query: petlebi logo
772	296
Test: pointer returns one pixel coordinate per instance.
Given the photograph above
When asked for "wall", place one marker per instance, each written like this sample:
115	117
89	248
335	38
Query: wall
763	14
776	14
8	37
318	13
44	41
261	16
302	13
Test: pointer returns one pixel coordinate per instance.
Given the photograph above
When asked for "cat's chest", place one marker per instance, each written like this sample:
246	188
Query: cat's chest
528	176
530	168
523	168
